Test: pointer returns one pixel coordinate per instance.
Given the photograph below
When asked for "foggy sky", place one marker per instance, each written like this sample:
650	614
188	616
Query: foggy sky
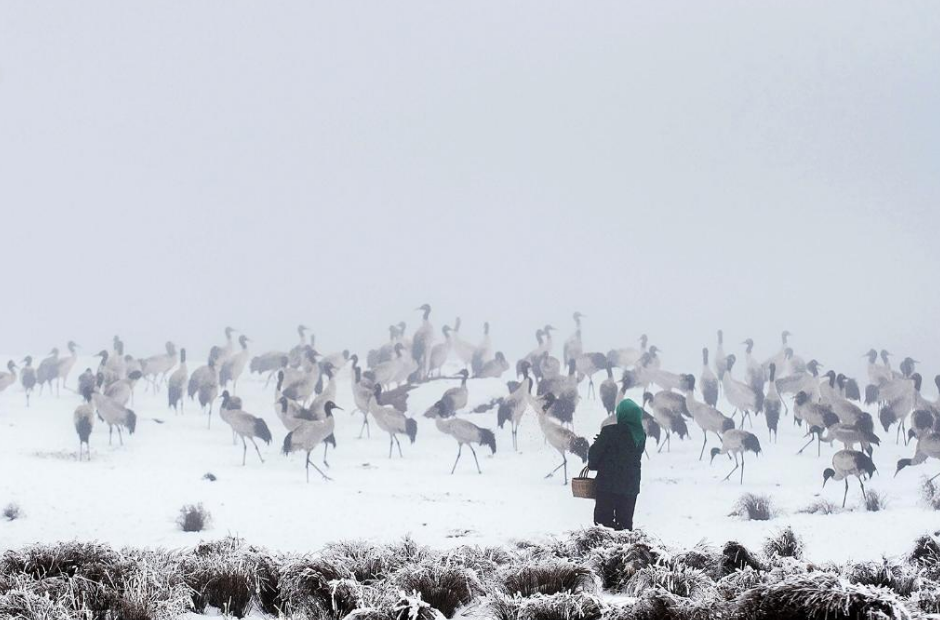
670	168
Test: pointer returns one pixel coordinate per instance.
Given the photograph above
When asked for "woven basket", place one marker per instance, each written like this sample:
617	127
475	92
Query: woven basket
582	486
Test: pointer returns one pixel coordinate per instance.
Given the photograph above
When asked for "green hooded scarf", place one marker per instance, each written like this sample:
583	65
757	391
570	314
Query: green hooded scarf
630	415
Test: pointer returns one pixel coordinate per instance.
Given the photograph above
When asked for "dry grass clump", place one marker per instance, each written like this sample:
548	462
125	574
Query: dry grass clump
930	493
784	544
318	587
444	586
193	518
560	606
874	501
547	577
820	507
233	577
754	507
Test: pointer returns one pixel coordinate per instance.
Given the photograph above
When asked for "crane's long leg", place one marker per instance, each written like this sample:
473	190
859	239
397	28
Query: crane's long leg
120	436
398	443
244	451
311	464
552	473
704	441
846	494
391	444
257	450
862	484
234	440
110	433
474	452
459	450
326	447
934	478
807	444
733	470
742	468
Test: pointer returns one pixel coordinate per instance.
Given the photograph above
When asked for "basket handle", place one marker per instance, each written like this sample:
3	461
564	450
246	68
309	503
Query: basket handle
584	472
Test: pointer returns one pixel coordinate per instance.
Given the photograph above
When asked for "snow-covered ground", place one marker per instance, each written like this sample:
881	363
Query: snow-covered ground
131	495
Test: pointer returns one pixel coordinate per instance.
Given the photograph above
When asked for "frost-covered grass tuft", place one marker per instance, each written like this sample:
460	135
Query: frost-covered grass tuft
926	552
898	577
930	494
735	557
318	587
561	606
874	501
12	512
819	595
785	544
232	577
679	581
444	586
820	507
617	564
193	518
754	507
547	577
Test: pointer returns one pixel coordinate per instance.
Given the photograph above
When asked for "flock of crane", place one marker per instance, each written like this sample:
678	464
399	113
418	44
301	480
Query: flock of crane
828	408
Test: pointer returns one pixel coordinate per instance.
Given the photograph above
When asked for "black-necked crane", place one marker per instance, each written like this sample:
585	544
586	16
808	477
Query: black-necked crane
310	434
806	380
422	341
303	387
362	389
84	421
461	348
772	403
156	367
115	415
453	399
609	391
65	365
463	432
721	360
650	373
627	357
706	417
574	346
896	408
122	390
87	381
328	392
878	375
851	414
269	363
114	362
850	435
668	410
8	378
533	356
386	372
482	353
818	417
204	382
565	390
754	371
779	359
734	442
928	447
589	364
228	349
177	383
847	463
708	382
28	377
828	392
742	397
234	364
549	367
386	351
560	438
848	388
244	425
107	370
295	356
292	415
440	352
513	407
48	370
230	402
392	421
923	422
494	368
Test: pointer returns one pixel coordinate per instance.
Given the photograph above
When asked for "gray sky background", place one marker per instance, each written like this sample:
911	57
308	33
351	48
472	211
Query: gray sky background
168	168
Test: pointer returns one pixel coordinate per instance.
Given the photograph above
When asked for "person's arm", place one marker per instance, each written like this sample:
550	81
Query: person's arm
596	451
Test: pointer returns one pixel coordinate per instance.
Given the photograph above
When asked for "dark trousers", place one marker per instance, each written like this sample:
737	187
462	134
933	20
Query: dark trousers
614	511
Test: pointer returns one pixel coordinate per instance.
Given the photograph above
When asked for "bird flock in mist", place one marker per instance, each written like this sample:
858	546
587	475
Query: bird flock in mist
828	408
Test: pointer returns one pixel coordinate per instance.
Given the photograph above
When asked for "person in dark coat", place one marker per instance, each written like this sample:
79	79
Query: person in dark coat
615	456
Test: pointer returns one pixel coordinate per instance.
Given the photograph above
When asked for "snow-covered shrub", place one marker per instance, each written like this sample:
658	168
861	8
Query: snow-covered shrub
445	587
152	590
754	507
193	518
679	581
367	561
735	557
785	544
617	564
895	576
927	599
21	603
819	595
926	551
12	512
90	560
930	493
231	576
486	561
731	586
874	501
580	543
547	577
820	507
657	604
560	606
318	587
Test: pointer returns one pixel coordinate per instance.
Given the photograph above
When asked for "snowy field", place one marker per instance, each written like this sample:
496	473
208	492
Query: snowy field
131	495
